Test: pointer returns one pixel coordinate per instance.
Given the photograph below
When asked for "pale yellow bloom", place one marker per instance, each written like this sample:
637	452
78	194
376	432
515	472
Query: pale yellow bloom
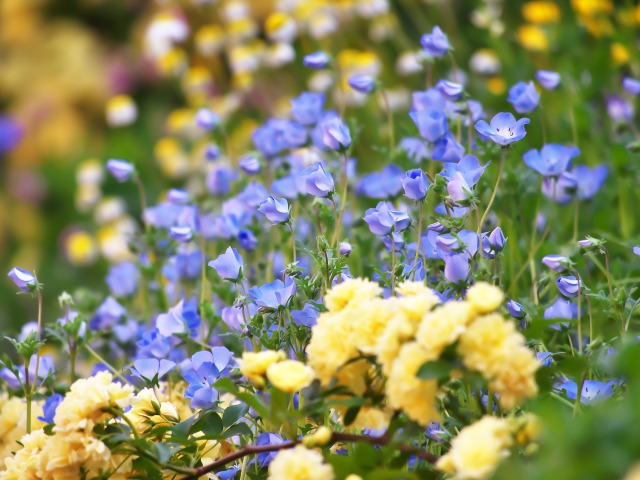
290	375
331	345
532	37
23	465
254	365
351	292
300	463
541	12
319	438
484	297
442	327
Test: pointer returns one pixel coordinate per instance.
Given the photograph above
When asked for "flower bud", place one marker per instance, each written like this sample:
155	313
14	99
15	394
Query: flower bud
568	286
120	169
345	248
23	279
319	438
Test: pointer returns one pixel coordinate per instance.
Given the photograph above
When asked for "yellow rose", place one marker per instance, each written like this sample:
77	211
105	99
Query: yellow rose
254	365
484	297
300	463
290	375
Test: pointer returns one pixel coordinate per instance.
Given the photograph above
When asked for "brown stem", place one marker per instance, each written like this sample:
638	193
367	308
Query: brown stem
335	438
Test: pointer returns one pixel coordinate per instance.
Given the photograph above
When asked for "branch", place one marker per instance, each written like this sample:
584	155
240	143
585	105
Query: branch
335	438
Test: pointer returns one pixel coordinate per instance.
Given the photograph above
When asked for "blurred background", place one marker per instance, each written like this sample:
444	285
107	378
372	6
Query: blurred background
82	81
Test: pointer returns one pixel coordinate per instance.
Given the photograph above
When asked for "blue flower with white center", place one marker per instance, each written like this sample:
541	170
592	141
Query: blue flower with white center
207	119
524	97
180	319
551	160
503	128
335	134
205	368
592	390
469	168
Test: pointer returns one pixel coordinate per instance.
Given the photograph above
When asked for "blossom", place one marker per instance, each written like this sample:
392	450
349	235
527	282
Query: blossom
548	79
181	234
49	408
524	97
207	119
515	309
592	390
318	181
345	248
442	326
631	85
229	265
275	209
447	149
619	109
300	463
247	240
149	369
249	164
435	43
316	60
415	184
273	295
431	123
290	375
335	134
10	134
497	239
123	279
23	279
206	367
551	160
120	169
557	263
484	297
384	184
450	90
307	108
382	220
503	128
569	286
362	83
254	365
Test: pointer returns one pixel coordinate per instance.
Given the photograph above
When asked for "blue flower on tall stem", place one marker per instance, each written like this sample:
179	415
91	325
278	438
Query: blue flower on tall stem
524	97
548	79
447	149
307	108
383	219
275	209
229	265
431	123
415	184
318	181
551	160
23	279
435	43
503	128
273	295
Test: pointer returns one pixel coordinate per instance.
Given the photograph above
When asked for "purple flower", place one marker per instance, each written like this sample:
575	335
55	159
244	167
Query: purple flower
178	196
362	83
335	134
515	309
107	314
318	181
469	167
307	316
307	108
253	194
415	184
181	318
435	43
204	370
10	134
219	180
212	152
447	149
524	97
247	240
277	135
431	123
436	227
429	99
123	278
592	390
317	60
497	239
619	109
49	408
275	209
267	438
345	248
151	369
589	180
631	85
384	184
273	295
181	234
450	90
456	267
459	190
415	148
548	79
551	160
229	265
503	128
23	279
207	119
560	189
249	164
557	263
586	243
233	317
382	220
120	169
560	309
393	241
569	286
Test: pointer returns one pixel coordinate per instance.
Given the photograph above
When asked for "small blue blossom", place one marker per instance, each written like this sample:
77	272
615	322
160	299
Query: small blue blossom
569	286
307	108
435	43
557	263
450	90
383	219
181	234
503	128
205	369
335	134
249	164
631	85
524	97
247	240
123	279
619	110
273	295
515	309
49	408
147	369
431	123
207	119
415	184
178	196
229	265
362	83
275	209
10	134
447	149
307	316
107	314
415	148
384	184
548	79
318	182
551	160
317	60
23	279
592	390
120	169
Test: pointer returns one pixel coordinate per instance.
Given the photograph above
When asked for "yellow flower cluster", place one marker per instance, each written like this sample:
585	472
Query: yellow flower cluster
300	463
287	375
13	423
477	449
148	411
406	332
254	365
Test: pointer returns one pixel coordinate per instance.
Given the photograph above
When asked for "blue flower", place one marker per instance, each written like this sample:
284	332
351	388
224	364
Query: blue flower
275	209
560	189
589	180
273	295
524	97
450	90
427	100
497	239
557	263
469	167
393	241
123	278
249	164
178	196
431	123
415	184
545	358
247	240
229	265
515	309
384	184
45	368
503	128
560	309
120	169
383	220
335	134
458	188
211	152
181	234
345	248
205	369
23	279
551	160
180	319
631	85
447	149
219	180
188	265
619	109
548	79
362	83
10	134
317	60
318	181
456	267
107	314
207	119
415	148
307	108
49	408
592	390
307	316
569	286
277	135
435	43
147	369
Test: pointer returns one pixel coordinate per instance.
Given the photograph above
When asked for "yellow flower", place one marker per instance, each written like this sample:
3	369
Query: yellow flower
280	27
417	299
84	404
349	292
397	331
148	411
515	380
209	39
319	438
406	391
369	320
121	110
290	375
484	297
541	12
23	465
66	455
528	429
443	326
533	38
300	463
371	418
592	7
81	248
620	54
254	365
634	472
13	423
496	85
478	449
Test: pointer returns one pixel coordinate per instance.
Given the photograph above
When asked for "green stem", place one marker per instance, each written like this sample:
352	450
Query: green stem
495	190
293	241
417	254
392	141
107	364
393	265
143	200
343	200
39	333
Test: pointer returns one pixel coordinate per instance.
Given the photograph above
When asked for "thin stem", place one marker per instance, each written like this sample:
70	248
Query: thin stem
387	107
542	126
143	200
343	200
495	190
576	216
39	334
293	241
393	264
417	254
107	364
623	324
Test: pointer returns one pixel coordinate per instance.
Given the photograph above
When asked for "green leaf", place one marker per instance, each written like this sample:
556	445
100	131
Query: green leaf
233	413
213	424
351	415
439	370
237	429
